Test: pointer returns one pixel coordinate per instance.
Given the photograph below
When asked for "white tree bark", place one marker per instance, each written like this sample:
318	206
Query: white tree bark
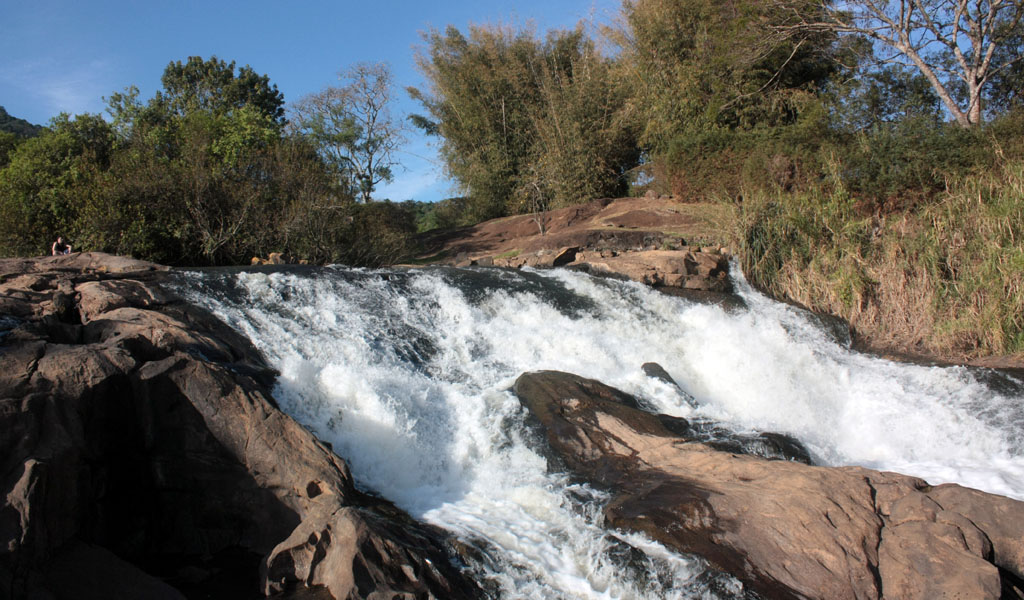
946	40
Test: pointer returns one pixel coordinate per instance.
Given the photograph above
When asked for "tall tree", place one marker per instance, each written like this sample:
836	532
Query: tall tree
46	181
955	44
215	86
354	128
717	91
525	122
711	63
209	134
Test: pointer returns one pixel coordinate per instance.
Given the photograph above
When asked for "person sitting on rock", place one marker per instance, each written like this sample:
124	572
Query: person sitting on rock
59	247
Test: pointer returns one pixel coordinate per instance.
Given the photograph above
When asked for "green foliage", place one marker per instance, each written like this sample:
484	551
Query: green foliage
886	95
380	233
720	92
900	164
445	214
191	182
353	127
525	123
202	173
8	142
42	186
213	86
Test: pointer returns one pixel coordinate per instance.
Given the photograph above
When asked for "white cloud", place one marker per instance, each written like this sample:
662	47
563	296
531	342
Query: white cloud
49	87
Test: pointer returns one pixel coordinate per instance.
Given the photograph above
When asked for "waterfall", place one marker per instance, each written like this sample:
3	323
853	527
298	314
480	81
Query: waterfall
406	372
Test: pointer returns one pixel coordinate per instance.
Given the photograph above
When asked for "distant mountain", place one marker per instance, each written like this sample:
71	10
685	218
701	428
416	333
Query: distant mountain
17	126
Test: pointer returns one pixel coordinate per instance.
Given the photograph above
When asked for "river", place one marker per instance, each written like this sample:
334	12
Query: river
407	374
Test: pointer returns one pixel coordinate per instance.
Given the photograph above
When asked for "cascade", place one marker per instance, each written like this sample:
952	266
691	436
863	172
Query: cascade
407	373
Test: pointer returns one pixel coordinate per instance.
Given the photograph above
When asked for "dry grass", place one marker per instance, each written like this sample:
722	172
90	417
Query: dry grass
946	279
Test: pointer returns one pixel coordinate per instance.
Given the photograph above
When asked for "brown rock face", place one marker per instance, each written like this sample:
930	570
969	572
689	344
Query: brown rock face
787	529
707	271
141	440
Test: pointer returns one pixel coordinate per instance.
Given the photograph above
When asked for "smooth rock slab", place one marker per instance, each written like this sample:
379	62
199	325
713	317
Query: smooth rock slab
787	529
140	449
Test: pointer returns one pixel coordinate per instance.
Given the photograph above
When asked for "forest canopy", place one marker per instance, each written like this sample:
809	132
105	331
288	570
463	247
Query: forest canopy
701	99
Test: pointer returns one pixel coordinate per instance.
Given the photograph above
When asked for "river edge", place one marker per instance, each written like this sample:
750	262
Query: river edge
144	456
651	240
195	348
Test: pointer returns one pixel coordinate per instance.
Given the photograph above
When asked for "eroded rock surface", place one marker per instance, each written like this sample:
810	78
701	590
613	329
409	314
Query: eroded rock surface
142	456
699	269
787	529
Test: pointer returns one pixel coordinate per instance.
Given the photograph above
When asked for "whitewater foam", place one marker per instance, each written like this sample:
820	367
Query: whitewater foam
407	374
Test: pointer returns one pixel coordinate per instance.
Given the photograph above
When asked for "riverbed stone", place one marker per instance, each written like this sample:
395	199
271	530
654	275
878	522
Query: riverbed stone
141	448
786	529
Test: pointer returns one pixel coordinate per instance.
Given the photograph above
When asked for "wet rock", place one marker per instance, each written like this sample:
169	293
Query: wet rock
656	371
564	256
787	529
153	438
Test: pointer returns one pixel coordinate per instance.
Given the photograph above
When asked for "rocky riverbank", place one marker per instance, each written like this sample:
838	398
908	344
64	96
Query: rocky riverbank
144	457
787	529
649	240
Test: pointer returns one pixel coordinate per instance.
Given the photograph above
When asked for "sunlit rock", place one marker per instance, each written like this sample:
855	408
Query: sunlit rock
787	529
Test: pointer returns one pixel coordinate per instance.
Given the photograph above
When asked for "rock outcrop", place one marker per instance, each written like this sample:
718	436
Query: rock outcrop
789	530
142	456
704	269
700	269
655	241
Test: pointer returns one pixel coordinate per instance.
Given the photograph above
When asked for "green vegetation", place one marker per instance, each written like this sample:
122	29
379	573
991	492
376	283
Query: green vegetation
18	127
944	278
871	167
203	173
526	124
353	128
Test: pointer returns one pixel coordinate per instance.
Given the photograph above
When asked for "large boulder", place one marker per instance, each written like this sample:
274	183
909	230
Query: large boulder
143	456
694	270
787	529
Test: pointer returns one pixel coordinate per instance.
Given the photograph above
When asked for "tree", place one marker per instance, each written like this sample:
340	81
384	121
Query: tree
955	44
214	86
208	138
718	91
353	126
888	95
8	142
524	120
46	181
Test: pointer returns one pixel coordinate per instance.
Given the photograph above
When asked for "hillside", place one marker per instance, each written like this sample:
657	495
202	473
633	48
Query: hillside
19	127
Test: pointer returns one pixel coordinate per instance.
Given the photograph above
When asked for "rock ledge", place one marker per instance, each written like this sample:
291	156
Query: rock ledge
787	529
143	456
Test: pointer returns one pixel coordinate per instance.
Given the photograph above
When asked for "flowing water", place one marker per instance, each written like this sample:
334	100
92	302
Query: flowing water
407	374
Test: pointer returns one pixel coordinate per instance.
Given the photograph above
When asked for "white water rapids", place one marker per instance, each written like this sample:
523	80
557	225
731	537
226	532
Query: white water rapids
407	374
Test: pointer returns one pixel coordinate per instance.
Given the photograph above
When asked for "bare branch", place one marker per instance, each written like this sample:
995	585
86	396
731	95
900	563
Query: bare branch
930	34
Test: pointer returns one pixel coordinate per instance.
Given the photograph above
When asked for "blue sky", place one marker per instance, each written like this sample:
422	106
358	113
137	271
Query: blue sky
66	55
